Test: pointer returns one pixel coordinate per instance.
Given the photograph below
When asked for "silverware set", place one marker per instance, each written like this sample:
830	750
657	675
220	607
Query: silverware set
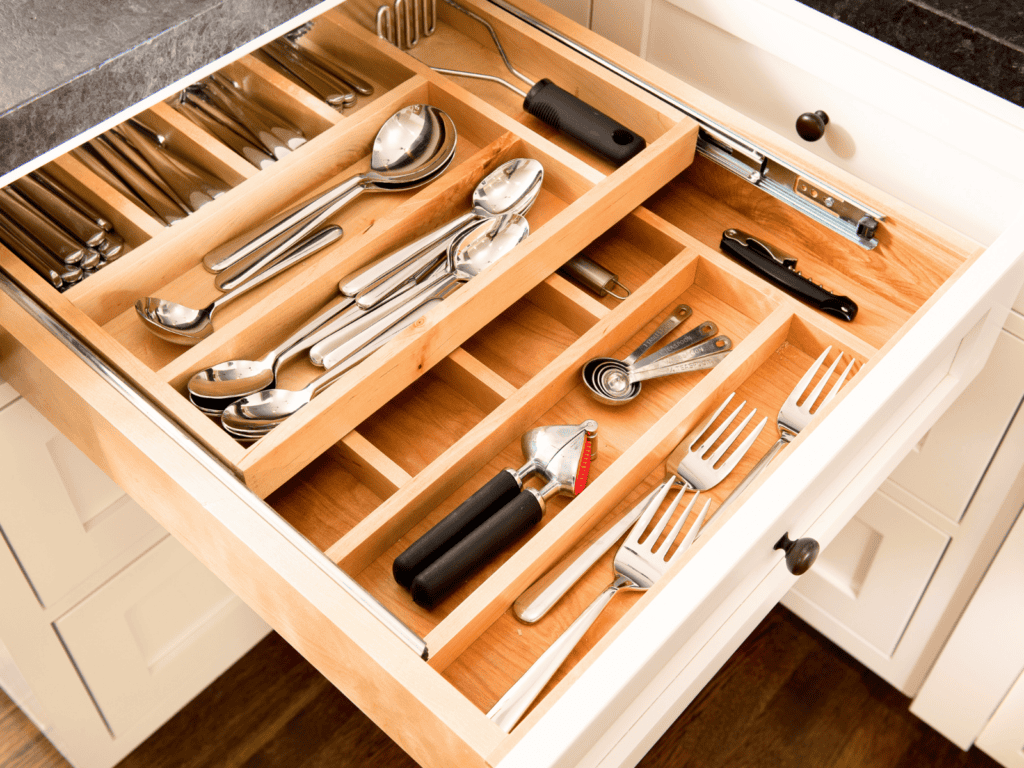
221	106
325	77
617	382
54	231
149	170
699	463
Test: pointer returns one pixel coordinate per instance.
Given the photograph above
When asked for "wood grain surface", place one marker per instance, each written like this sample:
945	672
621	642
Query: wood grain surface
787	697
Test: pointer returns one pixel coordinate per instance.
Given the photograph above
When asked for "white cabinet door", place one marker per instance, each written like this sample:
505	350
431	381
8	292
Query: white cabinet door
1003	737
62	516
159	631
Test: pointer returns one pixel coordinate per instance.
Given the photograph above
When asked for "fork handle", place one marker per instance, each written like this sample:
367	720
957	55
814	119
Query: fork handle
506	526
756	470
513	705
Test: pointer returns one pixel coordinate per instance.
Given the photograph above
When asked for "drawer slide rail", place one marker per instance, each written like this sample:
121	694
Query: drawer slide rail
847	217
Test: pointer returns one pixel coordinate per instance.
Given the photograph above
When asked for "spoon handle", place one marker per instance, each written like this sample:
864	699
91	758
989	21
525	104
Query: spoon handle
302	250
383	269
410	271
413	300
679	315
318	327
216	261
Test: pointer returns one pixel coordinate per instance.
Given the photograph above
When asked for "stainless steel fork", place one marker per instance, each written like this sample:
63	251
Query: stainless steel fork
793	417
638	565
696	467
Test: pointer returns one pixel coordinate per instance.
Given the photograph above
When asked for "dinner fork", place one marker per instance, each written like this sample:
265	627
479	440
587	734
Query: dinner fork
792	417
638	565
694	463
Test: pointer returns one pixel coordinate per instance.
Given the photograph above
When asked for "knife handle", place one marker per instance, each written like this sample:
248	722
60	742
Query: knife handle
780	272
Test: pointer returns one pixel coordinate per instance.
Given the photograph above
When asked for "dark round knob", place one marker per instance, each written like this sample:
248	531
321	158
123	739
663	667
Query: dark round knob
811	125
800	554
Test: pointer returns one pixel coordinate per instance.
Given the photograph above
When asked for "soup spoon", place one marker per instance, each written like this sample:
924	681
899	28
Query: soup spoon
414	146
183	325
481	247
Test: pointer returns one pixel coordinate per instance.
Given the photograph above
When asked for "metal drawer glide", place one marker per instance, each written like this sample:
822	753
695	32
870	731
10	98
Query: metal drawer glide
847	217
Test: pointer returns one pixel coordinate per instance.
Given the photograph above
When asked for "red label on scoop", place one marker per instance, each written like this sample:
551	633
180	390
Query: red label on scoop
583	470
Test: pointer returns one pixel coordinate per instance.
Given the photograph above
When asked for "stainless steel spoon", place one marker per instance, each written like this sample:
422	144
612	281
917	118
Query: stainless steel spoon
481	247
183	325
512	187
413	147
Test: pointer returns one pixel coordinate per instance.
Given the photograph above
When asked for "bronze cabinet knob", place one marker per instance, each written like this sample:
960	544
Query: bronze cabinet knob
800	554
811	125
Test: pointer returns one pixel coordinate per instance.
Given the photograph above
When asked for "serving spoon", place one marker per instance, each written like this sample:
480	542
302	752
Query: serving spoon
183	325
412	147
478	249
512	187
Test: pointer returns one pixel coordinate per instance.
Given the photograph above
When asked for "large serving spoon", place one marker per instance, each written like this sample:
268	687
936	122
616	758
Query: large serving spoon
481	247
512	187
413	147
183	325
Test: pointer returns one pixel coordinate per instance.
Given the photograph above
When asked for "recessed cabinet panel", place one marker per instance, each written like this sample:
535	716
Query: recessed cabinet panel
945	467
61	515
159	628
872	575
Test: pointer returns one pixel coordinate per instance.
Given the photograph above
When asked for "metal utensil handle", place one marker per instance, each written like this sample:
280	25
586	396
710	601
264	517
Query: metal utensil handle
703	332
70	218
513	705
231	278
756	470
344	193
71	198
49	235
544	593
698	363
411	302
318	327
387	266
679	315
373	296
342	73
300	251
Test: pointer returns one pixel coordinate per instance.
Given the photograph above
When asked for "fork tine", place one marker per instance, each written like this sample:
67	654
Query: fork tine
813	397
805	382
839	382
699	431
706	445
694	529
741	451
648	514
659	526
727	443
662	551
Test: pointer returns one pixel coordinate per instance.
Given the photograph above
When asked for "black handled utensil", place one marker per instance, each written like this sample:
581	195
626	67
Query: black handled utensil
498	513
560	109
779	268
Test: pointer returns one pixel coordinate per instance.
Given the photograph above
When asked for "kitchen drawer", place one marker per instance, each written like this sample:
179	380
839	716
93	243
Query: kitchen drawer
873	574
153	634
62	517
354	477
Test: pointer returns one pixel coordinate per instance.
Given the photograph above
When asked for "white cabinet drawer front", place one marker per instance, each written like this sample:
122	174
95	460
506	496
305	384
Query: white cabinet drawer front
1003	737
873	574
922	149
156	634
62	516
945	467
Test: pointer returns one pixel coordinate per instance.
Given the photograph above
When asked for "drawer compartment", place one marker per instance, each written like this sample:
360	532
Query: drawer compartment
334	494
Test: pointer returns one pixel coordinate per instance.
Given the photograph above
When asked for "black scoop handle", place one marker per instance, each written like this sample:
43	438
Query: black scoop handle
492	496
588	125
503	528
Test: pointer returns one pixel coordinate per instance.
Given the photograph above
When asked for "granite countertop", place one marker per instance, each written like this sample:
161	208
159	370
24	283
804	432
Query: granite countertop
68	66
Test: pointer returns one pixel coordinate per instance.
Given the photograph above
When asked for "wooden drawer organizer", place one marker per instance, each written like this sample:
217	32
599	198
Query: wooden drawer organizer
389	449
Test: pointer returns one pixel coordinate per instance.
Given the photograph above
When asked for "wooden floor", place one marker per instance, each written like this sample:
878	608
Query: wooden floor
788	697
